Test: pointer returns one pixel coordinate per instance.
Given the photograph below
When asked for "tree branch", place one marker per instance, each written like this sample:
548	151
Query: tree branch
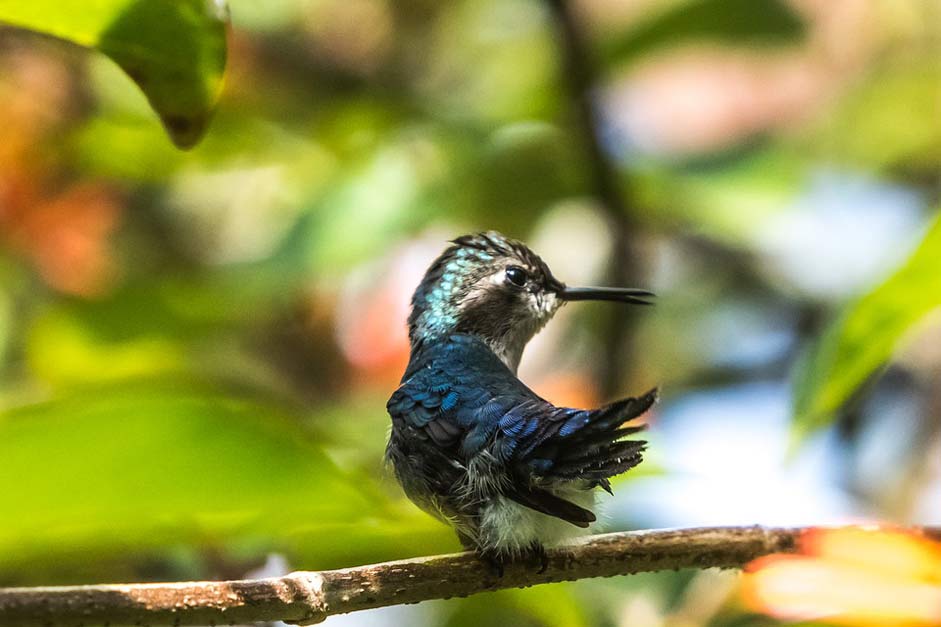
310	597
610	187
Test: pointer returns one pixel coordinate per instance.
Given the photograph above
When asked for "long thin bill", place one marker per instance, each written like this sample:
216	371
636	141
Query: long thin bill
617	294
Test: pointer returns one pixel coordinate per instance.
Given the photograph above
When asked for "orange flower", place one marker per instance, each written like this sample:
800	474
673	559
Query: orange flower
66	236
62	228
852	576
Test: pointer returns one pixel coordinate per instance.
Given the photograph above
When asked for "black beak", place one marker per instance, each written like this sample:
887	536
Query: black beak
617	294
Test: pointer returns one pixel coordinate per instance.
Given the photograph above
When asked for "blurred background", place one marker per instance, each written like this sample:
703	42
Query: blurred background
196	347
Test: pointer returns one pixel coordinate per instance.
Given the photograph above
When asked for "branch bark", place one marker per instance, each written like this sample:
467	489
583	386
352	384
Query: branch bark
310	597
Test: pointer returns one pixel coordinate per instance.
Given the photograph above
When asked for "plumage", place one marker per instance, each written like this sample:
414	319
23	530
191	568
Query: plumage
473	445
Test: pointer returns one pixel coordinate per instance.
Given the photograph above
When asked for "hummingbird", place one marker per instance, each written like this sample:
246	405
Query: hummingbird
470	443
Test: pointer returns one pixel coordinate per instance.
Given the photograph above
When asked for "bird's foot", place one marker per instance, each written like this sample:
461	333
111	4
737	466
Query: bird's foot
533	556
494	562
538	556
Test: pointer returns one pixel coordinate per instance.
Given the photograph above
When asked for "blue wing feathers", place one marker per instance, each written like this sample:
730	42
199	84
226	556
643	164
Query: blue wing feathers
574	423
449	401
459	394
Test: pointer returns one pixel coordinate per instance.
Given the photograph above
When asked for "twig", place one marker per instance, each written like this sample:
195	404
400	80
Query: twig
609	186
310	597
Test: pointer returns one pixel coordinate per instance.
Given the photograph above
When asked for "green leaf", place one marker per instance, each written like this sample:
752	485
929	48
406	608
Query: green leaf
133	470
174	50
866	334
739	22
164	325
553	605
887	122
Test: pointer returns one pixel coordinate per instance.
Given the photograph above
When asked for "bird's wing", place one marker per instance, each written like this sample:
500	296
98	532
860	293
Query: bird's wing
562	444
455	394
569	444
462	398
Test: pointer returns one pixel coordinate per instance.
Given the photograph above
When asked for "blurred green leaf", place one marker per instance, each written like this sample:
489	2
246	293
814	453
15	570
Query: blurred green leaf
61	351
726	199
174	50
864	337
135	468
547	606
887	122
164	325
524	168
6	321
738	22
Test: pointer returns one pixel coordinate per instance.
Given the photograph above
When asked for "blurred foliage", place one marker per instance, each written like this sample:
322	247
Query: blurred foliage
178	471
729	21
196	347
174	50
889	123
864	337
184	467
554	605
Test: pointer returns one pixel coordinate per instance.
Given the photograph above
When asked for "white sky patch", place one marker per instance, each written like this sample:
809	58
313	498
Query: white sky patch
725	457
845	233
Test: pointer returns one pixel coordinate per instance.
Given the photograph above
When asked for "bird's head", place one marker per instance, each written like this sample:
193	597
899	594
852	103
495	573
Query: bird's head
497	289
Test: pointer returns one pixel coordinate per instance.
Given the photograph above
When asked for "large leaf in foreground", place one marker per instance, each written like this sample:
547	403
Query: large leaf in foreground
866	334
131	470
174	50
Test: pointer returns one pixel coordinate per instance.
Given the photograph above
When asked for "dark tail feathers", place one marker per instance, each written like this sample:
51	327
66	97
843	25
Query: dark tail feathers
589	445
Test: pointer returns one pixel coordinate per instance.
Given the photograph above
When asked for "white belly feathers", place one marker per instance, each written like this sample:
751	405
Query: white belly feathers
510	528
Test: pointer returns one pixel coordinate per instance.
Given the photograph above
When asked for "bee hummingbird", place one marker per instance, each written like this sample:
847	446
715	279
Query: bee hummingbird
470	443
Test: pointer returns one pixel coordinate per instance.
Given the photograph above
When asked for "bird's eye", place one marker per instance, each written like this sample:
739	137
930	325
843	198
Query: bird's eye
517	276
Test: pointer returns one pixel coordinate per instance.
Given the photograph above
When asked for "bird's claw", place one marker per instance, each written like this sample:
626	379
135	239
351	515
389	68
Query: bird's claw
538	554
493	561
534	555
